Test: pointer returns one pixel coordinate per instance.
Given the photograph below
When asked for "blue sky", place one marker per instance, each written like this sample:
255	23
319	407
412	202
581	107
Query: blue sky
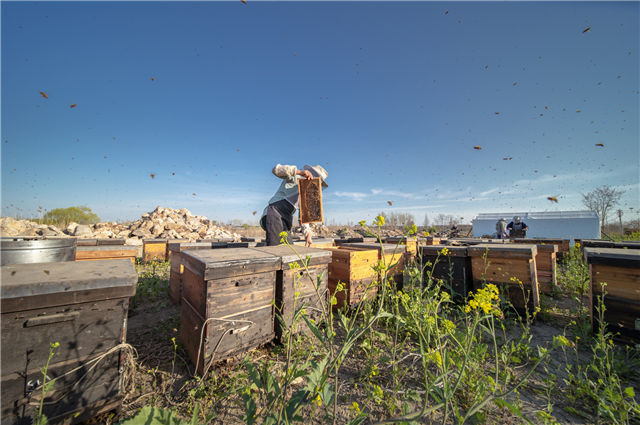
390	98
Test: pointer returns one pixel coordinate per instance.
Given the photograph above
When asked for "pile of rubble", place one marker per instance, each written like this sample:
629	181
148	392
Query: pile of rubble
164	223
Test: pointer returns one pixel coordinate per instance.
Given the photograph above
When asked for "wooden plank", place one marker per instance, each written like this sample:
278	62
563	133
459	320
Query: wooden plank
289	255
194	290
310	200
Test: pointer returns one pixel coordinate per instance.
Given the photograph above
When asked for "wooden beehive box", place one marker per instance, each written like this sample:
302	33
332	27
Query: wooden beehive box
295	287
619	268
106	252
411	243
354	268
82	306
227	299
546	268
454	269
394	255
310	200
176	268
154	250
504	262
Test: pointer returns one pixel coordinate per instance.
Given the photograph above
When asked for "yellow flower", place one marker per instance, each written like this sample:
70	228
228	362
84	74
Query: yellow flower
444	251
318	400
355	407
577	245
283	237
449	326
374	371
362	222
379	221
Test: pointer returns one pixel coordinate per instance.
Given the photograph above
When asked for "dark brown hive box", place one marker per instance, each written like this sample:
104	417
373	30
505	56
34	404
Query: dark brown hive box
228	292
454	268
504	262
295	287
81	305
176	268
619	268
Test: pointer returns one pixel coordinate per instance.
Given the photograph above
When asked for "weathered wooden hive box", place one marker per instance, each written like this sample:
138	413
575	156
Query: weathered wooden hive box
295	287
619	268
563	244
154	250
393	255
82	306
227	302
106	252
176	268
354	268
454	269
410	243
504	263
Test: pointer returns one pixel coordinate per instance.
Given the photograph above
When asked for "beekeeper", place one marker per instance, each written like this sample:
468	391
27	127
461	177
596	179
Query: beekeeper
278	215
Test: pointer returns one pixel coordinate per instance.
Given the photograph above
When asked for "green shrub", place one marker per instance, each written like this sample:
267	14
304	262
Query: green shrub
64	216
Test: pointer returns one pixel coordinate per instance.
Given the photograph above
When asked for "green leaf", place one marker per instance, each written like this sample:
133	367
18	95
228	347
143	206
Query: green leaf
315	331
316	374
629	392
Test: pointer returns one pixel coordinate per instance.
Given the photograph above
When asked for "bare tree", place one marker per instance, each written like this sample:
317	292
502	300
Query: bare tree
426	221
601	200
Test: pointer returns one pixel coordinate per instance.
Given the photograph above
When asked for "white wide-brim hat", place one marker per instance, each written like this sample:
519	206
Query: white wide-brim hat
318	171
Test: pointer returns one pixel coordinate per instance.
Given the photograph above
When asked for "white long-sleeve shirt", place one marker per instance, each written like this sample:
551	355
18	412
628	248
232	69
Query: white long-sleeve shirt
288	190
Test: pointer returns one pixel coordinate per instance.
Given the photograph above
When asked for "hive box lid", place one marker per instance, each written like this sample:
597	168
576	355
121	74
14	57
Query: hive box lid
505	251
288	256
618	257
181	246
211	264
388	248
434	250
65	282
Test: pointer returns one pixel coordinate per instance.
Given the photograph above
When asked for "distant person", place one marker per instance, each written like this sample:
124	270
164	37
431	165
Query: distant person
454	231
278	215
501	228
517	228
